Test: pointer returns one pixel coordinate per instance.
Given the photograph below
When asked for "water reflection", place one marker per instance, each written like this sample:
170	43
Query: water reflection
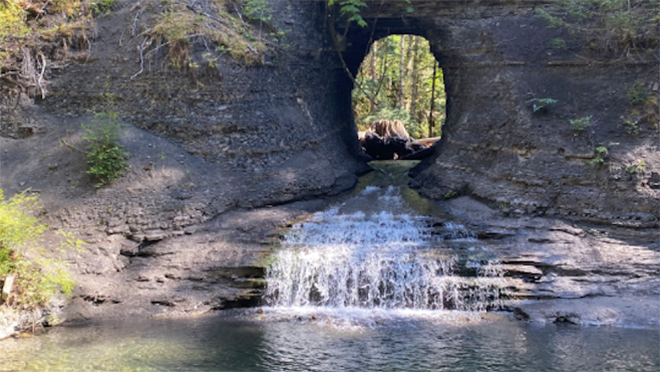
254	343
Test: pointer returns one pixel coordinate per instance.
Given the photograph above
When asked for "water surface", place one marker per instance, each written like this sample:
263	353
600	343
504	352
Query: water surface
264	342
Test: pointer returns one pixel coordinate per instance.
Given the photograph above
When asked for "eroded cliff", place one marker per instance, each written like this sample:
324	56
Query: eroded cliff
209	144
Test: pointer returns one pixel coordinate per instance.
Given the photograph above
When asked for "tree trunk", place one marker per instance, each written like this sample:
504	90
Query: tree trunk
414	91
402	72
435	68
373	74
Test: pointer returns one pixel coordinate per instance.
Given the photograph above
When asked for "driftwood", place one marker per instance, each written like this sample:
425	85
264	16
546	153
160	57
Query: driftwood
394	147
7	287
428	141
421	154
388	139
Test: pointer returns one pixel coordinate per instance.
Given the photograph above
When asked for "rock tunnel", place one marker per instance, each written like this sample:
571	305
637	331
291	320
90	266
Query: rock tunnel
496	56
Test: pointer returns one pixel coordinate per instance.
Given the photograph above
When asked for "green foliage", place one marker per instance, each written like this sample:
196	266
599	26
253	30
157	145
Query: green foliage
258	10
637	167
12	20
210	60
38	277
105	156
18	227
541	104
103	6
581	124
631	126
609	24
181	26
379	78
558	43
386	113
602	150
70	241
450	194
552	21
600	153
638	93
30	27
39	280
351	10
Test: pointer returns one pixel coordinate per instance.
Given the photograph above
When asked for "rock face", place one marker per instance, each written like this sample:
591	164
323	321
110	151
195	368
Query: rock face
205	148
495	59
562	272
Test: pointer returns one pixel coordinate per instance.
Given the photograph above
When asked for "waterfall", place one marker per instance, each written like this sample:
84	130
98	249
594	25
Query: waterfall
373	252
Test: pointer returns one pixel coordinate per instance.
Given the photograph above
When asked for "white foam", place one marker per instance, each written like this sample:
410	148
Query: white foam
379	261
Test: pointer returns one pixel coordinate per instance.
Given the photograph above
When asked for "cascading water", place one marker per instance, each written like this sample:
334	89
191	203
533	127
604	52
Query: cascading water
374	252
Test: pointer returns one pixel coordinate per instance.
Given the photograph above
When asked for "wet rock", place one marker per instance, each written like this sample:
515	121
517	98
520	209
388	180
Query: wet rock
522	271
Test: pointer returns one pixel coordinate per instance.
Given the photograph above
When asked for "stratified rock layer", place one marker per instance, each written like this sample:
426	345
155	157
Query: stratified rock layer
205	147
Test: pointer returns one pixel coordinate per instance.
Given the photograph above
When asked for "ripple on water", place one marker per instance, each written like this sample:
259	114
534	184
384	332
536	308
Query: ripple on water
353	340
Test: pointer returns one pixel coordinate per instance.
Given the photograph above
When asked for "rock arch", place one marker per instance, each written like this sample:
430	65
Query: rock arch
496	56
281	132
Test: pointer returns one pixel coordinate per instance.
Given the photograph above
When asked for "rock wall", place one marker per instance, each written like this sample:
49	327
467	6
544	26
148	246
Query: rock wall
203	147
496	57
168	236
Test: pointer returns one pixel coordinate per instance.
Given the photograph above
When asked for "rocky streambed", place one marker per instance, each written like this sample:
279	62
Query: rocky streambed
557	271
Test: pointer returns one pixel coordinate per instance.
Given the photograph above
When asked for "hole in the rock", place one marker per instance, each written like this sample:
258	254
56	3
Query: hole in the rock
399	99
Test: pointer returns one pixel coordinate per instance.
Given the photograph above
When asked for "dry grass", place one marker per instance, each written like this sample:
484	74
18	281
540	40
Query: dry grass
31	31
181	26
36	35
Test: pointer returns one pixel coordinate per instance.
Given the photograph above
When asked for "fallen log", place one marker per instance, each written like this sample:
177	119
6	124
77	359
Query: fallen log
428	141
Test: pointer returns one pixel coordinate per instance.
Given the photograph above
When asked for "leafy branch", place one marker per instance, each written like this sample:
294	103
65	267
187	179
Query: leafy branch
350	9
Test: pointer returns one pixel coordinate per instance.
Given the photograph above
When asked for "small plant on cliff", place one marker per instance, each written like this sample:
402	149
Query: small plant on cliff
450	194
638	93
258	10
38	277
581	124
105	156
351	9
600	153
103	6
541	104
637	167
558	43
611	25
632	127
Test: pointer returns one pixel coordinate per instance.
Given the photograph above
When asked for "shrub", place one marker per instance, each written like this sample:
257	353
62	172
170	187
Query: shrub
38	278
581	123
103	6
638	94
631	126
611	25
12	20
558	43
258	10
600	153
540	104
18	226
637	167
105	156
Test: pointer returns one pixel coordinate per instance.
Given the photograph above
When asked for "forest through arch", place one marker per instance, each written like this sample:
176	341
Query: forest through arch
400	79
